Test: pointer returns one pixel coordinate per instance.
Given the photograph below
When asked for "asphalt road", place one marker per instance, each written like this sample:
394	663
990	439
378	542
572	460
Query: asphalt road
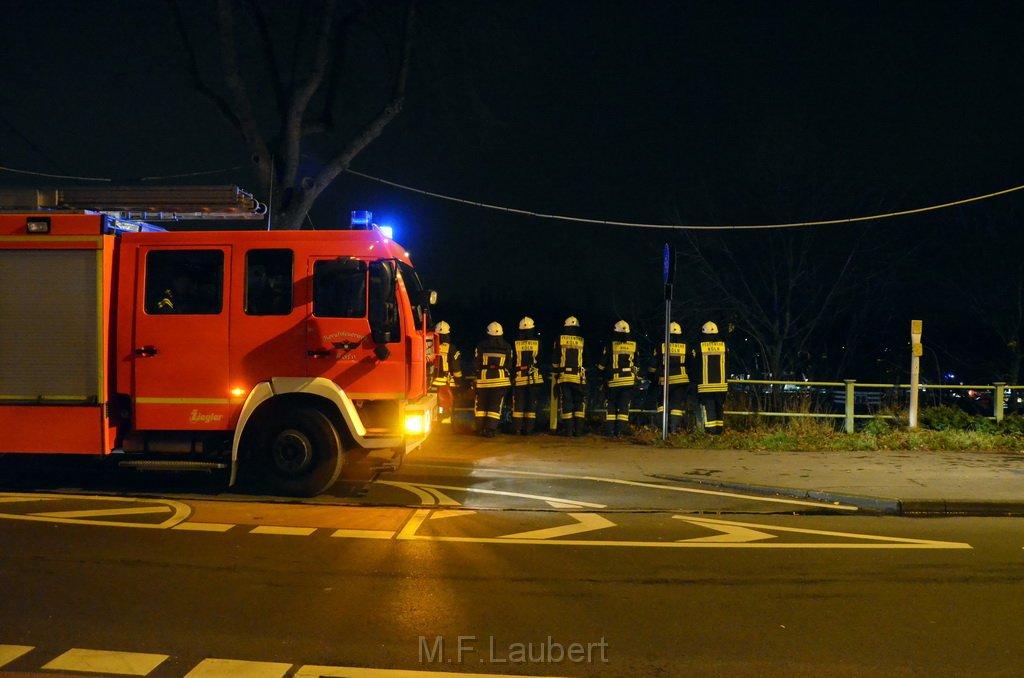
448	567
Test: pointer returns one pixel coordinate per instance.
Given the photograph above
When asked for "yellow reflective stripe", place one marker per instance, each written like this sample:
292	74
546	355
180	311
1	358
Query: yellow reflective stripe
38	398
95	239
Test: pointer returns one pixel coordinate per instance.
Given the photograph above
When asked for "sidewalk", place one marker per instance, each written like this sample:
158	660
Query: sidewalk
903	482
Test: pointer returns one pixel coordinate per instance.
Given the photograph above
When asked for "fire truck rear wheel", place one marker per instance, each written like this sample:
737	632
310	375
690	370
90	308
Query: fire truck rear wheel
303	454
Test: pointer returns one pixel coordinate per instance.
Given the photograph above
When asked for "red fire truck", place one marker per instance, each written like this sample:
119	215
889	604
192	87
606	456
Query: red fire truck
289	356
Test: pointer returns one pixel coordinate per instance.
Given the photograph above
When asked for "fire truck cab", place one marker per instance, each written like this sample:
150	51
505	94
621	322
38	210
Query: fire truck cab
292	356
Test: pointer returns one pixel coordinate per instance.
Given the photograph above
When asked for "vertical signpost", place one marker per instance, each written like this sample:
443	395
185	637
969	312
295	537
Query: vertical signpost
917	350
669	275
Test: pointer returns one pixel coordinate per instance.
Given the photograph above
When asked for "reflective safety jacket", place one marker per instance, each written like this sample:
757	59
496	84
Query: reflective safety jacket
448	362
617	361
568	359
676	363
712	377
492	360
526	370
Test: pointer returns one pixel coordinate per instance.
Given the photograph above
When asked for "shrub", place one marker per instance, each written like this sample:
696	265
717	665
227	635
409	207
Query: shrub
1013	425
945	418
878	427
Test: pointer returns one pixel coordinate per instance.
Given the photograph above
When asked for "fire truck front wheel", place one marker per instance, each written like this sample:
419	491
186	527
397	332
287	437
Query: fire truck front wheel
303	456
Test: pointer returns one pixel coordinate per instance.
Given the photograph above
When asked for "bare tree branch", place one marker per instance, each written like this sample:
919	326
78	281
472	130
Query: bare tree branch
218	101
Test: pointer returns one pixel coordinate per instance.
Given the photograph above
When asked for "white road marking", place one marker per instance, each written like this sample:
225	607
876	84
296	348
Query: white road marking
106	512
410	531
290	531
563	505
727	533
587	522
179	511
478	490
229	668
654	486
204	527
454	513
106	661
8	653
426	498
364	534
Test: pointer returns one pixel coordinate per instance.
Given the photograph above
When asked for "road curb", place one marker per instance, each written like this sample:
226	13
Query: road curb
883	505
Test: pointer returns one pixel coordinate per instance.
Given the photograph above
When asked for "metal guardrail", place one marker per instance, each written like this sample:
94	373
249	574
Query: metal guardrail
849	397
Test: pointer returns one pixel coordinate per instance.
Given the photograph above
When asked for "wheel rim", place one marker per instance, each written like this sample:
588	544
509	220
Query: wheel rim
292	452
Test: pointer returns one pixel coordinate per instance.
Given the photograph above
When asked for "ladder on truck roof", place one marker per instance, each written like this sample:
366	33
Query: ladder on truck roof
145	203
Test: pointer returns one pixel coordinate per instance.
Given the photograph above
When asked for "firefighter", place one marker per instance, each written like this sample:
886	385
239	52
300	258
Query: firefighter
678	380
567	370
447	371
526	379
491	360
618	365
711	378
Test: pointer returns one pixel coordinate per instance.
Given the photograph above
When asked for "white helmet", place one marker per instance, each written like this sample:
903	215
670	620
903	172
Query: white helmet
622	326
571	321
709	328
442	328
674	328
526	323
494	329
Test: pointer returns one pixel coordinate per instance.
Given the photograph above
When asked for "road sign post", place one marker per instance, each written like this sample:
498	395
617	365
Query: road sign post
917	350
669	271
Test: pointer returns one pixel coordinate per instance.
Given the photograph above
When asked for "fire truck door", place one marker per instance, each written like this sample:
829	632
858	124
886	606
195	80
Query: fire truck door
180	352
353	335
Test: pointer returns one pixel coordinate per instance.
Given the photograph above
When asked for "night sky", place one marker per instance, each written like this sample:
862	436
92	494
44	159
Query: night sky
723	113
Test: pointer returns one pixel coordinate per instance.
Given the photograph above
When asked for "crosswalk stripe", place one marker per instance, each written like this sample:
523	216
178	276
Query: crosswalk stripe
8	653
203	527
105	661
273	529
364	534
230	668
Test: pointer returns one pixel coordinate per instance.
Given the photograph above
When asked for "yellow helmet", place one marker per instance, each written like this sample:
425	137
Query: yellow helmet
442	328
709	328
674	328
571	321
622	326
526	323
494	329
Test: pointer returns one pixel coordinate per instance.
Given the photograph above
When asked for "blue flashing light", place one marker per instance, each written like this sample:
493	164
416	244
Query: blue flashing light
361	219
387	231
950	376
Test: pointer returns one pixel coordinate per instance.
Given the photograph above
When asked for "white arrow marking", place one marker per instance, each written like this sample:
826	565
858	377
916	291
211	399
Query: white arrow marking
587	523
454	513
563	505
906	542
729	533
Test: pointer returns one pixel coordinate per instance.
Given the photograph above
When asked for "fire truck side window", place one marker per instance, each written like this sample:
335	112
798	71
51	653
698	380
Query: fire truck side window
184	281
384	302
268	282
339	288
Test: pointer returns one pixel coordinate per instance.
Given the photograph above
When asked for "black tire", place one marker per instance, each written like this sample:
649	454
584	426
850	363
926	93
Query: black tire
302	454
